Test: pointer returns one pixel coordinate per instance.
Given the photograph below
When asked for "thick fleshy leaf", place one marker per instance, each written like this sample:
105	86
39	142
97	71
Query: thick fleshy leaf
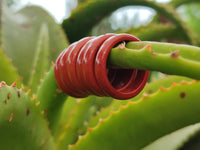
20	34
21	124
88	14
139	123
41	62
150	88
177	139
8	72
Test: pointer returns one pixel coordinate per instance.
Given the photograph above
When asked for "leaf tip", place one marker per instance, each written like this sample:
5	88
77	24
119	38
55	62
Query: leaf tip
175	54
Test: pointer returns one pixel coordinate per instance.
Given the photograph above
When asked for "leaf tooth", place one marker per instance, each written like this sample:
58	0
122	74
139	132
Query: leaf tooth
90	129
41	80
45	73
22	87
122	45
189	83
28	92
42	112
175	54
80	137
38	103
177	84
112	112
52	63
148	47
174	84
100	120
2	83
161	89
145	95
69	146
14	84
78	100
121	106
34	98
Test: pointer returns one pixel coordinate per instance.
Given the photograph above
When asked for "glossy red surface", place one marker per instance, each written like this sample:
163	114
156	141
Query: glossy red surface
86	61
81	69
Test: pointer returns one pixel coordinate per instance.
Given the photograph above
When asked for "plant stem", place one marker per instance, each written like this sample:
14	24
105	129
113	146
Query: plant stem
166	31
176	59
89	14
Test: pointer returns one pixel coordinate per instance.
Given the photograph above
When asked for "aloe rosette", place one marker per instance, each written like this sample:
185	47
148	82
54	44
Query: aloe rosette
36	113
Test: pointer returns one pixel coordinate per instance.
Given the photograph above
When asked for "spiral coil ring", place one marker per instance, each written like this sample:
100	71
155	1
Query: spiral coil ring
80	70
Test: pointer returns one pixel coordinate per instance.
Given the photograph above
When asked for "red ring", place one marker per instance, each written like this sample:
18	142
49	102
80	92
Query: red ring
85	64
80	70
71	67
133	87
62	69
58	74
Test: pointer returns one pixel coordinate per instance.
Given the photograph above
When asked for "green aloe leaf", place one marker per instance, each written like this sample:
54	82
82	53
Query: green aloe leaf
166	32
139	123
176	59
8	72
88	14
72	128
150	88
21	124
180	139
41	62
51	100
20	32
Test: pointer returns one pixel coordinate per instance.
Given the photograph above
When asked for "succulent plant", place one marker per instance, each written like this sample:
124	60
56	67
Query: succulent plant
41	107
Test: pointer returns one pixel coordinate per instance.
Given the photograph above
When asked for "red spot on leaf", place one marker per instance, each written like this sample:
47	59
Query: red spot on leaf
182	94
8	95
18	93
28	111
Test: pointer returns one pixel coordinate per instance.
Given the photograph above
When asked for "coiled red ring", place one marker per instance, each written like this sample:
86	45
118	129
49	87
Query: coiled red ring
80	70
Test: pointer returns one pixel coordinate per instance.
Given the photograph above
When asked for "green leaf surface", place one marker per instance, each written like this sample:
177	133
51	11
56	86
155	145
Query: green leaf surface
140	123
73	127
176	59
87	15
166	32
20	32
8	72
67	112
22	126
51	100
41	63
150	88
